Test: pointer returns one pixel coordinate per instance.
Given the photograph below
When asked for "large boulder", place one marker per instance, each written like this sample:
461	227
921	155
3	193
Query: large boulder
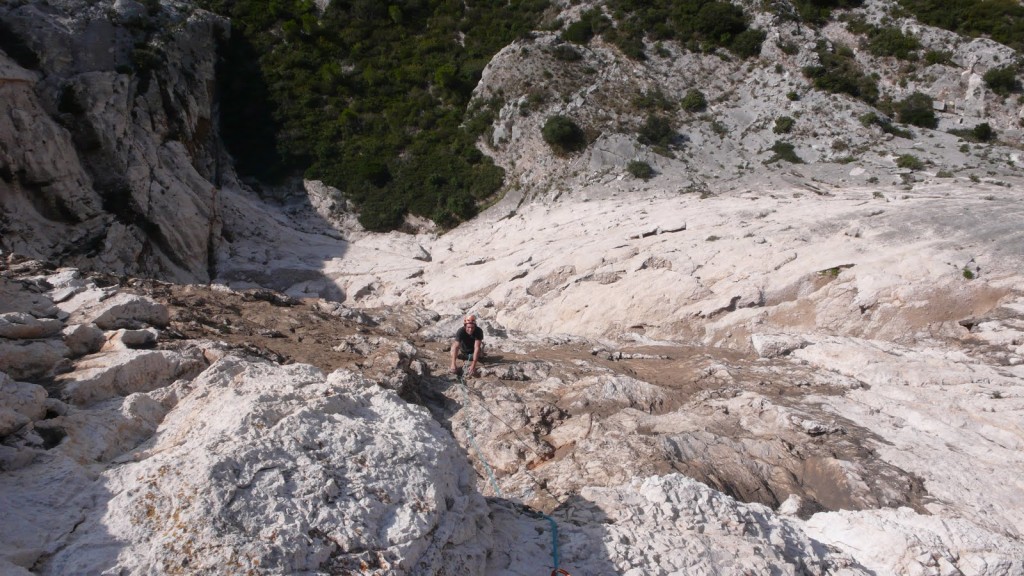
283	470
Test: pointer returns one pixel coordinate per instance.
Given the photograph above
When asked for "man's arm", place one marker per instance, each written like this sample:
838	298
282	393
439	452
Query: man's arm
476	354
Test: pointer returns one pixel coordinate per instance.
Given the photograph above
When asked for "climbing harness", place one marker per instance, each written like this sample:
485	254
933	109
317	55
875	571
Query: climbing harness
556	571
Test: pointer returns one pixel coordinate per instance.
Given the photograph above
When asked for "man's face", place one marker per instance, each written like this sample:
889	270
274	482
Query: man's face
469	323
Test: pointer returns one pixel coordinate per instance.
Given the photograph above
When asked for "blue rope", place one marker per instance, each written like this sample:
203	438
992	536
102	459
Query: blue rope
494	482
472	441
554	540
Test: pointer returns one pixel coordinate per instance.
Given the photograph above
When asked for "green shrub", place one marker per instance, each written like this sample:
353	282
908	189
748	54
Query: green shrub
694	101
747	44
1002	81
783	125
820	11
590	24
839	73
654	100
792	96
909	161
696	24
873	119
892	42
784	151
938	57
640	169
562	134
788	48
1000	20
917	110
566	53
657	131
981	133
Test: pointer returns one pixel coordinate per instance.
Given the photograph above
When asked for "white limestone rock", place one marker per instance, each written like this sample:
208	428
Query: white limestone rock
124	310
775	345
31	359
280	469
20	403
665	525
123	372
130	339
83	339
903	541
21	325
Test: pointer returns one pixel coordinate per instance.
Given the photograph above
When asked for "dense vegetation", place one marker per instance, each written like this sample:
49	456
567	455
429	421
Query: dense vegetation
700	25
1000	20
368	97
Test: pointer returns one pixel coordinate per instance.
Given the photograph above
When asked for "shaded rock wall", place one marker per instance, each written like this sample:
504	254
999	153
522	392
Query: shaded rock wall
109	155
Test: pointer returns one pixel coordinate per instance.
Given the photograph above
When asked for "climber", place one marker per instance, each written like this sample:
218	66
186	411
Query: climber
468	344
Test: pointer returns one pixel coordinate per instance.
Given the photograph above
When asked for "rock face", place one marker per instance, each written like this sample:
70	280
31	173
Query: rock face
732	367
108	147
191	453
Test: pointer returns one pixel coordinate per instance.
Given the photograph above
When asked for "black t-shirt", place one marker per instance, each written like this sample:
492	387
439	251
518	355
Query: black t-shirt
466	339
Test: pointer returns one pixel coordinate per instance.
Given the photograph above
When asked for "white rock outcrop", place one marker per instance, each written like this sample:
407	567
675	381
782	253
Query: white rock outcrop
285	470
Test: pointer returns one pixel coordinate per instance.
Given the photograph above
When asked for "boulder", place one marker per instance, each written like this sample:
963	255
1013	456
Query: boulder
278	468
83	339
124	310
31	359
130	339
109	374
20	403
21	325
775	345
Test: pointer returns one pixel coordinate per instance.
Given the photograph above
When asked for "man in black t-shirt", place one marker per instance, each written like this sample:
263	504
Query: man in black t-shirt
467	345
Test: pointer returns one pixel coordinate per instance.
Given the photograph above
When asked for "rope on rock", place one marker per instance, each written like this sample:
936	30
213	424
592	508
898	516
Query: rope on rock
494	482
472	441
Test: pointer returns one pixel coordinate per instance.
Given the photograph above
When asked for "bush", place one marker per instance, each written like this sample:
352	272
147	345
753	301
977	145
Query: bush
788	48
783	125
695	24
917	110
640	169
873	119
566	53
657	131
694	101
590	24
1000	20
938	57
719	22
747	44
562	134
909	161
1002	81
784	151
892	42
839	73
981	133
